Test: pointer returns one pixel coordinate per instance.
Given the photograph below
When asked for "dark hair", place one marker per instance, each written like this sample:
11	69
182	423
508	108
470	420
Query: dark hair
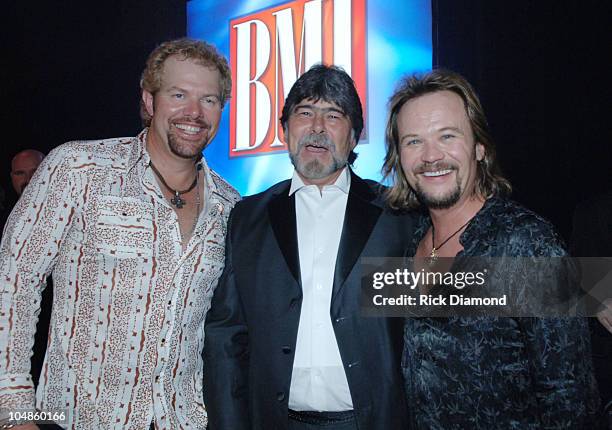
198	51
333	85
489	180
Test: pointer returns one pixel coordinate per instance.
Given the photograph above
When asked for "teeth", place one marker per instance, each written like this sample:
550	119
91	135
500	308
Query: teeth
437	173
188	128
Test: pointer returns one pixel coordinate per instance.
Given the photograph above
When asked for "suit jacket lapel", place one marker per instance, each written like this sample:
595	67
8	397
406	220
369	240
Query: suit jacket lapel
281	210
359	221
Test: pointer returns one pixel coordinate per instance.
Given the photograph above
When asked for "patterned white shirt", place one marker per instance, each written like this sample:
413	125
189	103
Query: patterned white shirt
127	326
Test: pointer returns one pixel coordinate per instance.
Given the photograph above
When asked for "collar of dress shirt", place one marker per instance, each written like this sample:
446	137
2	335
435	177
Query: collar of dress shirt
140	157
343	182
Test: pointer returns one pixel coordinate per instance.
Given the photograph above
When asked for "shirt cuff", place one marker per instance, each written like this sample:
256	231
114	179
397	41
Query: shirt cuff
16	393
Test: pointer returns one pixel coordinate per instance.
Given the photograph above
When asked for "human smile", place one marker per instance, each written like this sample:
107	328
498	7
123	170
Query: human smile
189	129
437	173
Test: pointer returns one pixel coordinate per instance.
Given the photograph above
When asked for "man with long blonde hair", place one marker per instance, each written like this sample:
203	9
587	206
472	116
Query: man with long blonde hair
480	372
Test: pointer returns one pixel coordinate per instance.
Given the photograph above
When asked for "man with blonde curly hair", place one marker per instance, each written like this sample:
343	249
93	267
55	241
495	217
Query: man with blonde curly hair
133	232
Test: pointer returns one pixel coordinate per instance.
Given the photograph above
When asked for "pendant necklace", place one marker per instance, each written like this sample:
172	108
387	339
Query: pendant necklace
177	200
197	214
433	256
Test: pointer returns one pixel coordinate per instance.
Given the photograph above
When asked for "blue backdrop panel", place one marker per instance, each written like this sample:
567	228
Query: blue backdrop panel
399	41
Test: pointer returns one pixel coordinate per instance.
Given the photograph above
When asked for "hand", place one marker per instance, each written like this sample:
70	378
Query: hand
605	315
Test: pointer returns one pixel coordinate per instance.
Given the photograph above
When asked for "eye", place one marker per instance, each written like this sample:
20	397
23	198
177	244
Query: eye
178	96
334	116
211	101
304	113
410	142
447	136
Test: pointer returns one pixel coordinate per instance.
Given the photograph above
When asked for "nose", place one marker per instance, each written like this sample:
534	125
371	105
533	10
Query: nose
193	109
431	152
318	123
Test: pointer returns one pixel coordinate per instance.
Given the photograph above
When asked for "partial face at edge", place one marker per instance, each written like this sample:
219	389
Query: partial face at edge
23	167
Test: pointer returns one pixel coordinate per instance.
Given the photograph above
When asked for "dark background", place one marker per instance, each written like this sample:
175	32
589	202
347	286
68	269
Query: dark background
540	67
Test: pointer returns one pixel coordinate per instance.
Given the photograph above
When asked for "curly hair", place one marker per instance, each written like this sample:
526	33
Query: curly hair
186	49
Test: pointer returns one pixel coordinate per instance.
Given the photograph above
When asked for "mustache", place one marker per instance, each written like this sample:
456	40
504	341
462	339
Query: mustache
321	140
434	167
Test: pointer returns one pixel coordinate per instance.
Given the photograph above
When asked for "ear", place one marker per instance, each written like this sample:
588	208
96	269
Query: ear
284	129
354	139
480	152
147	99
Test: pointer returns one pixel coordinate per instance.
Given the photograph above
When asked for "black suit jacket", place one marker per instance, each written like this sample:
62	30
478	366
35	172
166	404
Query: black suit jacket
252	326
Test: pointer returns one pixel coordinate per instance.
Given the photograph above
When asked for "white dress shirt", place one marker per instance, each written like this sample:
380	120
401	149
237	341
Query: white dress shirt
318	382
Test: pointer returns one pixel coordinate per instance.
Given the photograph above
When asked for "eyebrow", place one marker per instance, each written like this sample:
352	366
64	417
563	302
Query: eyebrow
325	109
455	129
175	88
443	129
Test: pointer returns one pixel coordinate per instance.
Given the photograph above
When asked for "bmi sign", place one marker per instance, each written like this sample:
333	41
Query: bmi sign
271	48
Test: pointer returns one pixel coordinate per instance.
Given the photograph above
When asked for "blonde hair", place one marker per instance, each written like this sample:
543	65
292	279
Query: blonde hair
489	180
186	49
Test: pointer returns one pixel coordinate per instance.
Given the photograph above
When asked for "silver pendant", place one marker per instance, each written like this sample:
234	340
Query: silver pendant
433	258
177	201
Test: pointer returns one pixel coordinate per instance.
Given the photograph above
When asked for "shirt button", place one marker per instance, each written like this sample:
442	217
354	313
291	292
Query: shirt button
319	286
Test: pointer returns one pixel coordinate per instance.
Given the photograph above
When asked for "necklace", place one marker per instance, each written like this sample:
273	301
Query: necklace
433	256
176	200
197	214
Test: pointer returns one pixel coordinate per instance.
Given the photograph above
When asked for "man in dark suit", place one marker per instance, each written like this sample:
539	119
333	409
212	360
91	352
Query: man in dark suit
286	346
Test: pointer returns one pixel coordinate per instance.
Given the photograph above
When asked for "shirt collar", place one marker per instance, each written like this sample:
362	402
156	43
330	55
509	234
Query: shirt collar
138	154
482	223
343	182
140	157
